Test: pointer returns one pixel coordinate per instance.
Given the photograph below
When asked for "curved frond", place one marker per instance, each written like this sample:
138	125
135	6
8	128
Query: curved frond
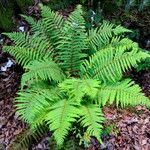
19	38
123	93
38	28
72	42
42	70
110	63
28	47
51	18
92	118
101	36
22	55
35	25
33	105
52	23
60	118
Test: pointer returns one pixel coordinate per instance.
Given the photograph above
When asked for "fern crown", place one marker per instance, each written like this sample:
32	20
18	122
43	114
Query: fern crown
71	73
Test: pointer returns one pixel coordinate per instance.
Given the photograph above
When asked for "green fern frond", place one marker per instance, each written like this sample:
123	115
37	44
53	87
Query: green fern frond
22	55
36	26
77	88
92	118
52	23
41	45
51	18
19	38
60	118
42	70
28	48
72	42
123	93
110	63
49	27
100	37
120	30
33	105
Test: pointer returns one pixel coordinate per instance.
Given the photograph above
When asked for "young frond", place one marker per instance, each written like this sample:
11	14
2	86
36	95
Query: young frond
42	70
73	42
60	118
123	93
110	63
92	118
33	105
77	88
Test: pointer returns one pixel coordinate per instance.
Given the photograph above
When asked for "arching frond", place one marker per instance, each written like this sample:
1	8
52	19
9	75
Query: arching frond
51	18
101	36
22	55
92	118
60	118
72	42
110	63
123	93
28	47
42	70
35	25
38	28
20	39
52	23
33	105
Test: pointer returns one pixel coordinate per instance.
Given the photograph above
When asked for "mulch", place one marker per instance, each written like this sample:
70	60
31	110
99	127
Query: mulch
131	129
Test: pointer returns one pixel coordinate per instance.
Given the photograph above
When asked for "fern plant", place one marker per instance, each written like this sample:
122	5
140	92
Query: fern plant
71	73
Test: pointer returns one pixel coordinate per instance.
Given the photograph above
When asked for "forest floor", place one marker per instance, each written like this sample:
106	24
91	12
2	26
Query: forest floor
130	126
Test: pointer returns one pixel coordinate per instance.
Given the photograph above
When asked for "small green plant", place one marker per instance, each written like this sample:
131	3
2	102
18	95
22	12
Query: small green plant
71	73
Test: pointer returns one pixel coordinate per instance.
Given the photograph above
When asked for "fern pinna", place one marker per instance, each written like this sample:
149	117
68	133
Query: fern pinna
71	73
